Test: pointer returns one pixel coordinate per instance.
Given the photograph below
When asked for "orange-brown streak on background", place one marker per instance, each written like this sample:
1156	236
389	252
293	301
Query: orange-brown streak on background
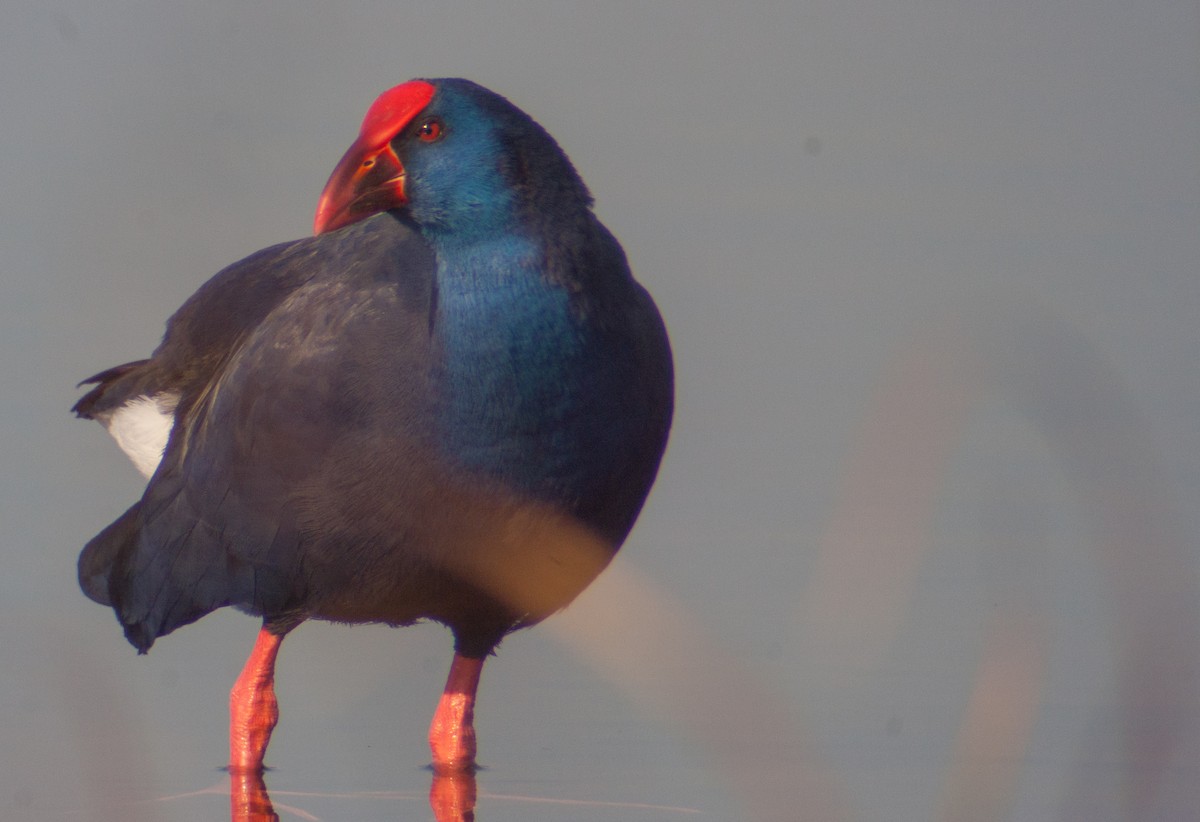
1095	425
648	644
855	600
635	633
989	754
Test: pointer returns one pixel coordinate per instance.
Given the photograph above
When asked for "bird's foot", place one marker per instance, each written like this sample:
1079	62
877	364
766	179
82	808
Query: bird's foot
452	733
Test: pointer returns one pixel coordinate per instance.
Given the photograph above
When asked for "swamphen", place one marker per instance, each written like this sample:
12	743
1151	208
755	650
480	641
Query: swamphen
450	404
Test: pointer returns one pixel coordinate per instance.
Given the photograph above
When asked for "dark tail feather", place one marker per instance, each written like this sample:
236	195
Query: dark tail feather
98	557
96	400
160	566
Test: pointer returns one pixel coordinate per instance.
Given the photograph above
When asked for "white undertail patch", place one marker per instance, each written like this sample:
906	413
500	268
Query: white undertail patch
141	427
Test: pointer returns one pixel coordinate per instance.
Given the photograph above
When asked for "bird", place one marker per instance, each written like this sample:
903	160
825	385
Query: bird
449	404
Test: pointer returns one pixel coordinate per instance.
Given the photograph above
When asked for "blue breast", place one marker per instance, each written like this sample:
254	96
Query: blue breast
529	396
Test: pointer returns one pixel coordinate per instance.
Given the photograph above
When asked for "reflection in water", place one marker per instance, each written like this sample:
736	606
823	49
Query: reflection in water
451	796
248	800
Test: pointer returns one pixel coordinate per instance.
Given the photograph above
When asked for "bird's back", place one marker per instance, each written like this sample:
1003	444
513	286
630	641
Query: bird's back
268	380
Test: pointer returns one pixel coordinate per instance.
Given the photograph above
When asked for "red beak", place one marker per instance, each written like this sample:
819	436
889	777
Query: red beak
370	178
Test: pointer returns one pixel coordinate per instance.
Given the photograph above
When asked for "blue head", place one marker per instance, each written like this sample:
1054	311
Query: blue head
461	160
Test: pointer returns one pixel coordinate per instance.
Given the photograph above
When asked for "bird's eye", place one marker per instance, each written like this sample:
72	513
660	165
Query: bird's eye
429	131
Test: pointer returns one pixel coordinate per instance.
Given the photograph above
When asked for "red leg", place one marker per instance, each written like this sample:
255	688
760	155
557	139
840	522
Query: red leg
253	710
452	732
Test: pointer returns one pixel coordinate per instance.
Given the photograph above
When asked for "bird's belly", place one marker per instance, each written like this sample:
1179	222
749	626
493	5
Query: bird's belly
142	427
459	555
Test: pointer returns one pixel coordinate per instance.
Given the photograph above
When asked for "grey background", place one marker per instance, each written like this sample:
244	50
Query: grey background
824	198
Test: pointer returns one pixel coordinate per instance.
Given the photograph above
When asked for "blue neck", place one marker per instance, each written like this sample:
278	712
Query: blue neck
512	358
